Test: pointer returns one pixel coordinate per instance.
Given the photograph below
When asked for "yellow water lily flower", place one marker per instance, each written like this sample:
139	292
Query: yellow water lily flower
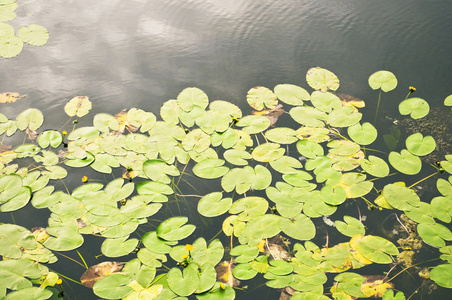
84	178
189	247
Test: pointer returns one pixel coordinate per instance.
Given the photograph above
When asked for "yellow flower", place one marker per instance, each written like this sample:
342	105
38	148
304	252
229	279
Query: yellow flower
59	281
84	178
185	256
64	132
222	285
412	89
189	247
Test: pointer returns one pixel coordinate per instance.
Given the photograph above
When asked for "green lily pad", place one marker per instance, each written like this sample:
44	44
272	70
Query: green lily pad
281	135
434	234
18	201
325	101
196	140
344	116
79	163
444	186
242	179
184	284
308	116
300	227
441	208
33	34
281	194
375	166
421	214
158	245
384	80
31	118
253	124
350	227
207	278
13	239
249	207
170	112
210	168
173	229
13	273
415	107
244	271
105	122
218	293
260	97
400	197
202	254
419	145
448	101
158	170
267	152
237	157
118	247
227	107
7	11
212	205
322	79
364	134
153	188
10	45
442	275
10	186
113	286
227	139
79	106
286	165
190	97
50	137
376	249
309	149
291	94
355	185
63	238
405	162
244	253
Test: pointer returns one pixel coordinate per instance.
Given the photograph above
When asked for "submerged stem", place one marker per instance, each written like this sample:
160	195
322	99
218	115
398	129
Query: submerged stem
419	181
378	106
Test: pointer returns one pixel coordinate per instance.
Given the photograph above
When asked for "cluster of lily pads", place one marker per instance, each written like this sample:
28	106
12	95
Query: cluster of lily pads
10	44
274	182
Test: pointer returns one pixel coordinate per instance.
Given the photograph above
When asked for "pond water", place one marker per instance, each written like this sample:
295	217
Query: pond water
125	54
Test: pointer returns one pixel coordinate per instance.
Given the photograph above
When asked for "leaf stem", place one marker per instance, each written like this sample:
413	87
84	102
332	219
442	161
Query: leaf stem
378	106
419	181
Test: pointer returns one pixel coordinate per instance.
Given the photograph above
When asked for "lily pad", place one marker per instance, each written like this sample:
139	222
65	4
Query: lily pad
190	97
415	107
364	134
308	116
237	157
10	46
267	152
253	124
322	80
184	284
50	137
405	162
113	286
383	79
173	229
210	168
300	227
401	197
419	145
376	249
350	227
434	234
33	34
344	116
291	94
260	97
309	149
442	275
31	118
212	205
281	135
375	166
325	101
79	105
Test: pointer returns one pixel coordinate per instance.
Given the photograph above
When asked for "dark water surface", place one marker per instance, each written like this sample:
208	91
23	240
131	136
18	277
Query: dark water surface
125	54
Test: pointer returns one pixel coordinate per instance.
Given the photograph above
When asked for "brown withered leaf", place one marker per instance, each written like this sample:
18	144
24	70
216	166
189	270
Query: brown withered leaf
10	97
224	273
349	100
375	286
271	114
96	272
275	248
121	117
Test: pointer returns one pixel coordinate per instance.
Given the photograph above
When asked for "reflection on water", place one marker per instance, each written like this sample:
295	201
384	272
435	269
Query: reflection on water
125	54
